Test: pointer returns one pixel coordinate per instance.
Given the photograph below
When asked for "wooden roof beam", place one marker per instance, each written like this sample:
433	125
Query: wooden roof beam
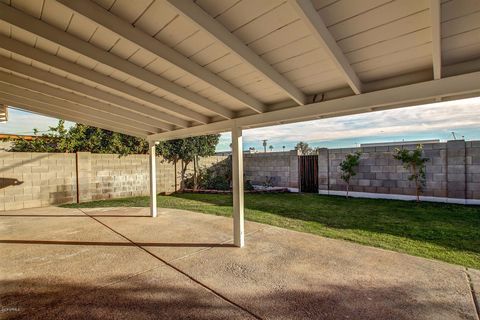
435	12
126	107
39	96
99	15
307	13
208	24
98	78
28	23
403	96
55	112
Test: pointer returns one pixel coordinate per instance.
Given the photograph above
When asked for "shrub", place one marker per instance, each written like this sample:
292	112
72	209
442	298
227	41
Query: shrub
248	185
216	177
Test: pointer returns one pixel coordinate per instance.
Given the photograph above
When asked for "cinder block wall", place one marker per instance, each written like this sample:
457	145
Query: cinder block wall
40	179
472	170
112	176
29	180
207	162
118	177
281	167
204	162
36	179
453	170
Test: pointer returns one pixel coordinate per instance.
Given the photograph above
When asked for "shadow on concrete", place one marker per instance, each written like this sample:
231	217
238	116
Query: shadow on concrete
177	298
7	182
118	244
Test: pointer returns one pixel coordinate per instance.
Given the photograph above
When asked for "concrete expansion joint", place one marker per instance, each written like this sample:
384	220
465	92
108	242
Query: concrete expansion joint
210	248
473	293
175	268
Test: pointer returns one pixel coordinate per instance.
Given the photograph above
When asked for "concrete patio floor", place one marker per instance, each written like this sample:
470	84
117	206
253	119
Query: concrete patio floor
119	263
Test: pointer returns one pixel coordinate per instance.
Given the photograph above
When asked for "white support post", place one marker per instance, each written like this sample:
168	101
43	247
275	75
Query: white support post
237	173
153	179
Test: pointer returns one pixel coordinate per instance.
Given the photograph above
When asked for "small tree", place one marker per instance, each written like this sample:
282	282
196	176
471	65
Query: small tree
415	163
188	150
348	167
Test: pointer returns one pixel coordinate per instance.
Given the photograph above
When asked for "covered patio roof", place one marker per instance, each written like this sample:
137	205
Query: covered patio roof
164	69
170	68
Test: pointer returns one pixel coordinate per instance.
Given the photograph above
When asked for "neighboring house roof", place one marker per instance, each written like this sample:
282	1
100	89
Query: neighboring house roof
7	136
396	143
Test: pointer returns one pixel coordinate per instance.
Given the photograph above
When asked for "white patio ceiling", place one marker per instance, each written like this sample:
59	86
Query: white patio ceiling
172	68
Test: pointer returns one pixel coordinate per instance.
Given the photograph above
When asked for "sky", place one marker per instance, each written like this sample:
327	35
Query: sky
431	121
23	122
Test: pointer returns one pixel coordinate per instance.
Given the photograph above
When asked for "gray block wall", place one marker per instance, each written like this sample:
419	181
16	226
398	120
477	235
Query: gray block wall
456	170
36	179
112	176
118	177
279	167
29	180
453	170
472	171
40	179
323	169
84	172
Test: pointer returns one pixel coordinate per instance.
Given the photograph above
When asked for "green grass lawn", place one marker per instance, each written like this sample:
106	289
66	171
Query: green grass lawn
439	231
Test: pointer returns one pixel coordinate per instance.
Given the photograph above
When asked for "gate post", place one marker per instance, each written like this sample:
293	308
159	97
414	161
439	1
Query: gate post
323	185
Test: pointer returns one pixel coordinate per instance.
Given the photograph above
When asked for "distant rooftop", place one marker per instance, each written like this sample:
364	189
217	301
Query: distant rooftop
7	136
395	143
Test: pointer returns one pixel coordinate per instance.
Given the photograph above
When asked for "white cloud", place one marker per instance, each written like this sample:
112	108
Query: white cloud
438	119
445	116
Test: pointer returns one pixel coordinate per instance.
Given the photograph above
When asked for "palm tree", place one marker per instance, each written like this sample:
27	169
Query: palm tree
265	145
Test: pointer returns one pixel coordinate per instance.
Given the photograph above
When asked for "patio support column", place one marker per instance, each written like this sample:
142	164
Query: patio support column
153	179
237	174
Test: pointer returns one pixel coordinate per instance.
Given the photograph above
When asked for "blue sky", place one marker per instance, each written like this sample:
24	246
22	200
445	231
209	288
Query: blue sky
432	121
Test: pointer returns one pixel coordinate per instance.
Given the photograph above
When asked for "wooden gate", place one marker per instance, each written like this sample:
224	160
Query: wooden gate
308	166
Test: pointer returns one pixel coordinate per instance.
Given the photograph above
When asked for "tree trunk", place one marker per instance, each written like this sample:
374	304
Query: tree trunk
175	174
417	193
183	171
417	190
195	181
348	187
